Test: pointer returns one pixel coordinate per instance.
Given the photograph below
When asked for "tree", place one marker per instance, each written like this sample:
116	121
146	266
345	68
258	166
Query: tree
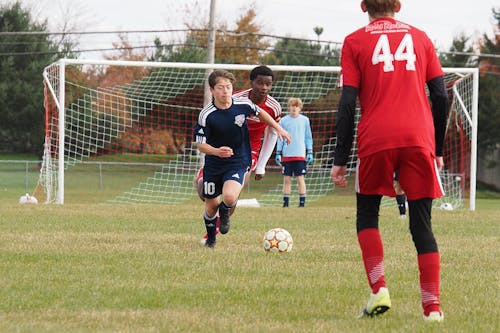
461	54
489	96
291	51
23	57
243	45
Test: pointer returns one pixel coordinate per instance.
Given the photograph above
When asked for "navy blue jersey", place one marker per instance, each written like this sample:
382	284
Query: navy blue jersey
226	127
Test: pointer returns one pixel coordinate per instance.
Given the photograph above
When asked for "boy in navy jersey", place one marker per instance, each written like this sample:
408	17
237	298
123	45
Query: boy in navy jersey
221	133
389	63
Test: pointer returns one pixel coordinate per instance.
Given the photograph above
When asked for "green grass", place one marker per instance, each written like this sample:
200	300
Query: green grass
140	268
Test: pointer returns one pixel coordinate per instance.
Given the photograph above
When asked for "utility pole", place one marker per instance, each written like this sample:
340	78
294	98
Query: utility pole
210	49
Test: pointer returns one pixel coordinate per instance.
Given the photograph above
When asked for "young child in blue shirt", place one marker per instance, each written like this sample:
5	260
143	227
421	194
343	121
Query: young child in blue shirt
295	156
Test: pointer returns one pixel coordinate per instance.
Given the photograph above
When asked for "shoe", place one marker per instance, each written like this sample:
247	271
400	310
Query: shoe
377	304
402	216
209	243
434	317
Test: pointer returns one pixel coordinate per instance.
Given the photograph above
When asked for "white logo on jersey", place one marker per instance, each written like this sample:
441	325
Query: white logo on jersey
235	176
239	120
201	131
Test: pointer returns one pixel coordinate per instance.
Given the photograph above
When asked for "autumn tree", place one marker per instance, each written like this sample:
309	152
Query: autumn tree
243	45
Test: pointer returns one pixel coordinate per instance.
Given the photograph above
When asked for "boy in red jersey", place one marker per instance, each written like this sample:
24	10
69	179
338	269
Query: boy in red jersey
388	63
262	138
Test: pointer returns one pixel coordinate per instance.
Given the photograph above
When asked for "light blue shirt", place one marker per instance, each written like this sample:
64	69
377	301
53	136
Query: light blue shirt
299	129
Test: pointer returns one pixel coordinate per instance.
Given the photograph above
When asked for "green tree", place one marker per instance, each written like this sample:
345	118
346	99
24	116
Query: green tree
22	59
461	54
291	51
489	96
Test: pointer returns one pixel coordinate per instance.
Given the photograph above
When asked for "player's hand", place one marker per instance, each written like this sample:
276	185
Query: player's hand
338	175
258	176
309	158
225	152
284	135
439	163
278	159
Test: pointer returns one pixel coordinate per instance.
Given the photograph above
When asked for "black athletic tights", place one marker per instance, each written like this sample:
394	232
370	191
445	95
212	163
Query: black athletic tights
420	220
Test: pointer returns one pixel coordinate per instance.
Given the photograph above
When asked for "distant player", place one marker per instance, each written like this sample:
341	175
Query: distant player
294	157
262	138
389	63
221	133
400	197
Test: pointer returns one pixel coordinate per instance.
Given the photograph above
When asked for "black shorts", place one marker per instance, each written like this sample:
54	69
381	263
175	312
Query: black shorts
213	180
294	168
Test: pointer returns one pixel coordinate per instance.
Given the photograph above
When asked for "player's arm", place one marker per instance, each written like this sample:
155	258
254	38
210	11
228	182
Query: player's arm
265	117
439	101
222	152
309	142
200	137
345	133
270	138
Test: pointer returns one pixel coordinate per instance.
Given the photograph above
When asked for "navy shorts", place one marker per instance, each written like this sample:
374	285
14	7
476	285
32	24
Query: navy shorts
294	168
213	180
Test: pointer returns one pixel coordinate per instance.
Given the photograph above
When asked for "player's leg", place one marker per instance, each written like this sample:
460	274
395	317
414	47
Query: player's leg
287	190
301	183
212	189
198	183
400	196
286	171
210	218
233	183
300	170
420	192
370	189
428	254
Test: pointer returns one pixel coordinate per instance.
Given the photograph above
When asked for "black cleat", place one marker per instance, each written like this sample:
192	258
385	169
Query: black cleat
210	243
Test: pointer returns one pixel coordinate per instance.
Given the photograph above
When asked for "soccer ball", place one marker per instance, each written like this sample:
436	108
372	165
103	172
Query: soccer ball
27	199
278	240
446	206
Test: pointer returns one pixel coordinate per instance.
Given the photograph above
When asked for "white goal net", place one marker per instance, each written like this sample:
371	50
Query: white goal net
122	132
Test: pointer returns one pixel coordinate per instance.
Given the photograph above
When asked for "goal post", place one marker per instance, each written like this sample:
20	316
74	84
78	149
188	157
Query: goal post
122	131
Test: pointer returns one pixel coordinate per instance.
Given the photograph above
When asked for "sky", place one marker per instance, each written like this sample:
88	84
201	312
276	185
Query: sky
441	19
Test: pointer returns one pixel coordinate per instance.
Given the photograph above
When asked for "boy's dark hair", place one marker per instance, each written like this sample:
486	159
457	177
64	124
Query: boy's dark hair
261	70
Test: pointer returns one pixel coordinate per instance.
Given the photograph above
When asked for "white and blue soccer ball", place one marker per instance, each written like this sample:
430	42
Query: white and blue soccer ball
278	240
446	206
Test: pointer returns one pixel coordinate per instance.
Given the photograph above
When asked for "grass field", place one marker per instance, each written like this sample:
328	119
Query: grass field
140	268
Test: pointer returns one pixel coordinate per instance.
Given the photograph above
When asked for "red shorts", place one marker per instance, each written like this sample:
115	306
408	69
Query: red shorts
417	173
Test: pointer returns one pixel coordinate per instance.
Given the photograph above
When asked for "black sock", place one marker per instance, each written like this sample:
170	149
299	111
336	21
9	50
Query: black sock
286	200
401	200
302	200
210	225
224	210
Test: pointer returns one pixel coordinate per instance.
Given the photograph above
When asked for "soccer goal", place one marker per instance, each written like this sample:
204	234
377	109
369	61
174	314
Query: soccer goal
122	131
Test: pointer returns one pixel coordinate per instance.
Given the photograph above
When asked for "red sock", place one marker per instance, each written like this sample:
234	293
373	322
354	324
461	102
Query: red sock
372	251
429	266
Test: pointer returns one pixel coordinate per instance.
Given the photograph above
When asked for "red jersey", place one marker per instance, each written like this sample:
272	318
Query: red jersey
255	126
389	62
